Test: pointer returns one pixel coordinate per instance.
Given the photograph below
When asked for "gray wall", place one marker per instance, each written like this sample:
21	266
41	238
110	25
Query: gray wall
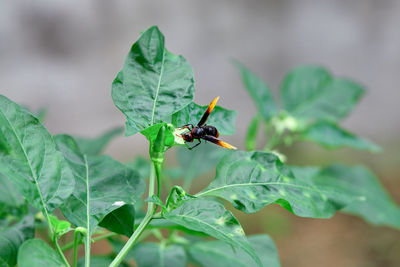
64	55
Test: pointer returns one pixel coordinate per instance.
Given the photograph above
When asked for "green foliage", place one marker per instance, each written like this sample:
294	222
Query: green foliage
30	160
110	185
251	135
219	254
259	92
11	201
97	194
252	180
153	84
100	261
374	203
12	238
211	217
121	220
331	136
36	252
151	133
314	102
313	93
155	254
60	227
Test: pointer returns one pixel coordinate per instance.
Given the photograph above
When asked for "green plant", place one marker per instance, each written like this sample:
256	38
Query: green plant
63	184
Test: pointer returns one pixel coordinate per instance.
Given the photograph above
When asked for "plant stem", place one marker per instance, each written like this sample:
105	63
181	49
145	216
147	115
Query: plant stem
60	252
146	220
94	239
87	242
76	243
157	233
157	168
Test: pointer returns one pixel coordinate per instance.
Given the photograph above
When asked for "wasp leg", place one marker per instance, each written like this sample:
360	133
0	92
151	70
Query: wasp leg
189	124
186	126
190	148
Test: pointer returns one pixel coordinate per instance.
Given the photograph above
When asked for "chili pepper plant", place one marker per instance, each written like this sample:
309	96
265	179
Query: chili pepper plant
60	194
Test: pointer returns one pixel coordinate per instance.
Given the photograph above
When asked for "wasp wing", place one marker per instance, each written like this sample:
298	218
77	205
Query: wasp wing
208	111
214	140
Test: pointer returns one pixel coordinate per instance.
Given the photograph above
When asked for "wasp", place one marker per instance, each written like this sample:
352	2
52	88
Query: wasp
202	131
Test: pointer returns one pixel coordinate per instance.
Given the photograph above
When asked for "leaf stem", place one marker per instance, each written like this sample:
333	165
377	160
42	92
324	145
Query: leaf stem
146	220
88	241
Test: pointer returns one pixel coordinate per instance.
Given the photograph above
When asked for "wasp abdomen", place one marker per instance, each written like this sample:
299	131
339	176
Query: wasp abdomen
211	130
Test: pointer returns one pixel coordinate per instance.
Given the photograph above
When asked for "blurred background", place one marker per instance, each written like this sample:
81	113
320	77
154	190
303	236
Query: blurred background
63	56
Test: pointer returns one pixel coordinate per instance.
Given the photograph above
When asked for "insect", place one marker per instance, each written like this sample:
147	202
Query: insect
204	131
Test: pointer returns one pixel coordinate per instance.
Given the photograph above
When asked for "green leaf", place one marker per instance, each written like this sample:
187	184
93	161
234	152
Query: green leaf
165	224
94	146
60	227
251	135
121	220
159	255
142	166
30	160
11	239
219	254
100	261
3	263
199	161
221	118
153	83
211	217
110	183
252	180
330	135
310	92
151	133
36	252
259	92
375	205
11	200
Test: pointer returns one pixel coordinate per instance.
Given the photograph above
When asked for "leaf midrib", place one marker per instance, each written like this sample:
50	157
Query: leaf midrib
158	88
29	165
255	184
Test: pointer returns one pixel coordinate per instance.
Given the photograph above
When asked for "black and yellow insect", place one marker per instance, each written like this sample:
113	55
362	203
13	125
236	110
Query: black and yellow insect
203	131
